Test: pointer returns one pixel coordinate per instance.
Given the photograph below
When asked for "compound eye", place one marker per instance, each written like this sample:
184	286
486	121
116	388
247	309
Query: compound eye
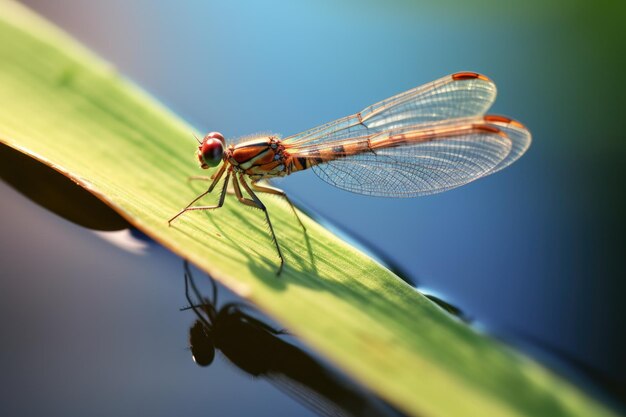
216	135
210	152
201	344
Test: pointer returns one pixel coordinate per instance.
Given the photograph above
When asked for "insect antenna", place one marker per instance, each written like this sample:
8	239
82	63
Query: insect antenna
199	141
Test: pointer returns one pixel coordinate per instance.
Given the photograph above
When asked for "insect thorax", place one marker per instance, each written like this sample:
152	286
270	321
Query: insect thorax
259	158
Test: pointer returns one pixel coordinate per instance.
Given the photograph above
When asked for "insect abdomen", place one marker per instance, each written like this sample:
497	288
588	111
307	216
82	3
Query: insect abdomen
305	160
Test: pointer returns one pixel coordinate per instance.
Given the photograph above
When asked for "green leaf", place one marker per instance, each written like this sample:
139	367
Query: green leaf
65	107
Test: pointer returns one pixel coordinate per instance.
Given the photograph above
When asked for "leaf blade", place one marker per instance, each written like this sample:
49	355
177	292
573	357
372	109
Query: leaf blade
68	109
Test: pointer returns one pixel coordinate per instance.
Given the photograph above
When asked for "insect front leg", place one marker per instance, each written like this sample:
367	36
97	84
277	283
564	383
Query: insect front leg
210	308
216	174
218	205
266	188
255	202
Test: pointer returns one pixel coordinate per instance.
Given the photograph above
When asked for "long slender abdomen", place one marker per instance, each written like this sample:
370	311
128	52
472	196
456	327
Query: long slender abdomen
308	156
304	159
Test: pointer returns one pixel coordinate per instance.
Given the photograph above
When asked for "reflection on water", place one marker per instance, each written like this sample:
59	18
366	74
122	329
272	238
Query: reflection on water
91	328
260	350
56	192
75	272
255	347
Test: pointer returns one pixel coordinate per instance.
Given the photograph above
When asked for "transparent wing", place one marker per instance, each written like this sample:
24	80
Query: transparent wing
307	396
458	95
517	132
424	159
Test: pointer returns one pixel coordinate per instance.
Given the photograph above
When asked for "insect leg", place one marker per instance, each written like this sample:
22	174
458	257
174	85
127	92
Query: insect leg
266	188
216	174
218	205
200	178
188	282
255	202
205	301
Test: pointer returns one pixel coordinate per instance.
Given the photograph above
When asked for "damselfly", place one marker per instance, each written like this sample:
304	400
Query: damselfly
426	140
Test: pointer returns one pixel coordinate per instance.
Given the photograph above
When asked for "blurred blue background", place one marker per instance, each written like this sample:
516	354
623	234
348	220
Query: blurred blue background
534	253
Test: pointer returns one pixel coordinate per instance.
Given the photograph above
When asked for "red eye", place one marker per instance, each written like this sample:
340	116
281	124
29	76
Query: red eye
215	135
210	152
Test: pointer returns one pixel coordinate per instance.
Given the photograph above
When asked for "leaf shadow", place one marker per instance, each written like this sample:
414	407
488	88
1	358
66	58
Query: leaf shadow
56	192
308	270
